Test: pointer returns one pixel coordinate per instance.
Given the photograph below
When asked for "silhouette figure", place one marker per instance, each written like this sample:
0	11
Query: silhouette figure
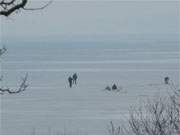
108	88
75	78
114	87
166	80
70	79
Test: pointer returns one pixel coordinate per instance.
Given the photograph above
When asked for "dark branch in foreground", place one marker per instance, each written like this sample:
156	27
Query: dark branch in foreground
7	7
157	117
39	8
11	6
21	88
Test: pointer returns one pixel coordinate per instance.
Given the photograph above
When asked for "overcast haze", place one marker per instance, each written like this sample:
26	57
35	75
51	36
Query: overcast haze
93	20
133	45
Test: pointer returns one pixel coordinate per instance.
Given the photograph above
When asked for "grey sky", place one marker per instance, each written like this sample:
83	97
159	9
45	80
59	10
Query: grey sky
66	20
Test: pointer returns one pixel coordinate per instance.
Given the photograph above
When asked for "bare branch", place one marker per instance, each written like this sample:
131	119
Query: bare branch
10	6
21	88
157	117
39	8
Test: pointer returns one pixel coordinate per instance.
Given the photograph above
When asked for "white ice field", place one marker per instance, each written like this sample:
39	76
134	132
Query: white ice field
49	106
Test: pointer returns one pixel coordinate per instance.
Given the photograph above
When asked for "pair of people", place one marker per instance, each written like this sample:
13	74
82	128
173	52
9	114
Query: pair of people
114	87
72	80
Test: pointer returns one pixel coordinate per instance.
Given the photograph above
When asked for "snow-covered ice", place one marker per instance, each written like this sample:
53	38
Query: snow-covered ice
49	105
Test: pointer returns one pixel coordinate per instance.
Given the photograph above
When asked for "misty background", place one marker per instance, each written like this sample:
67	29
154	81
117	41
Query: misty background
134	44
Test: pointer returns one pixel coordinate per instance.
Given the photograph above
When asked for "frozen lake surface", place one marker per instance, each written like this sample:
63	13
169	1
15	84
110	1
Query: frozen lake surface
50	106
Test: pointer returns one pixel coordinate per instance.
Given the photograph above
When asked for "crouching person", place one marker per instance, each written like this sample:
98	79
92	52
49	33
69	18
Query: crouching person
114	87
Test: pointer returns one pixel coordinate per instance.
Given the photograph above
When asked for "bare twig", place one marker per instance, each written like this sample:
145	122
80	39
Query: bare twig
158	117
39	8
21	88
10	6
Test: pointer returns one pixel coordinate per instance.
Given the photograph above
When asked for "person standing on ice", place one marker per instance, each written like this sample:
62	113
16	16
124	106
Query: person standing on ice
75	78
70	79
166	80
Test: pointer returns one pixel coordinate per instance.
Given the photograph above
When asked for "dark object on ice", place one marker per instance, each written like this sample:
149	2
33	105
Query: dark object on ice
166	80
74	78
114	87
70	79
108	88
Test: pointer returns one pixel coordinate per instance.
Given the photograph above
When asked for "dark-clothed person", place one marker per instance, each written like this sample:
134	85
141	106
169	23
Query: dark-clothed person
70	79
114	87
75	78
166	80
